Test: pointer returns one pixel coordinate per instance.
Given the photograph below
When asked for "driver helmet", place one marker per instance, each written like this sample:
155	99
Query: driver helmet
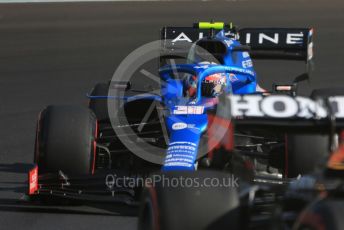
214	85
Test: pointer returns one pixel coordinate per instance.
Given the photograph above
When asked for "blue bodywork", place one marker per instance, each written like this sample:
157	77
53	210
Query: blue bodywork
187	119
186	129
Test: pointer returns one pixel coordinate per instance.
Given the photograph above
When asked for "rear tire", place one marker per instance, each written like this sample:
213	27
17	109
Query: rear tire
305	152
65	140
179	208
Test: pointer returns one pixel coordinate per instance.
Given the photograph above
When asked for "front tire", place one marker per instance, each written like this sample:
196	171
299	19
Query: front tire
179	208
65	140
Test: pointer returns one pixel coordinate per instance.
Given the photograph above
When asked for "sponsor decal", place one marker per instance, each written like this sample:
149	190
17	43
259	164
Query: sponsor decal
182	109
181	154
282	106
207	63
33	180
244	71
245	54
228	42
179	126
295	38
262	38
182	37
257	38
182	125
247	63
233	77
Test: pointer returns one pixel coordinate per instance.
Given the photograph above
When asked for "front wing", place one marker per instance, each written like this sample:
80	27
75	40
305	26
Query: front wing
94	188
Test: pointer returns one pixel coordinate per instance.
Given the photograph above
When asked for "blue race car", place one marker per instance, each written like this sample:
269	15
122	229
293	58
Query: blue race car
76	146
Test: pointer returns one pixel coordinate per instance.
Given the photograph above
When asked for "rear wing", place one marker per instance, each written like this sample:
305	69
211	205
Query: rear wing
275	115
279	43
265	43
282	113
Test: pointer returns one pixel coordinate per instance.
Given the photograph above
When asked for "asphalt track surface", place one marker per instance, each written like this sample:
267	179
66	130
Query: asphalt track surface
54	53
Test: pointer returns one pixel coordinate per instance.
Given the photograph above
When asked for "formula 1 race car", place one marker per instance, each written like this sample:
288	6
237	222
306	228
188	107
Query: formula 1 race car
313	201
218	63
77	148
